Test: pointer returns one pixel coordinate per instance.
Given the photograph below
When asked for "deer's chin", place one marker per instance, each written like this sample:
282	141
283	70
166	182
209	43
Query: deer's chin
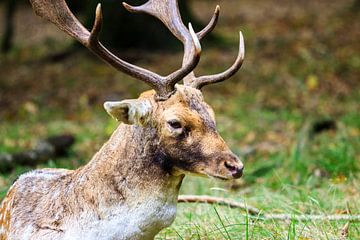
208	174
220	177
202	173
178	171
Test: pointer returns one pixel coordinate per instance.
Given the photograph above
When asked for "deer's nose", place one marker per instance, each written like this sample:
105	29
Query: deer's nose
236	168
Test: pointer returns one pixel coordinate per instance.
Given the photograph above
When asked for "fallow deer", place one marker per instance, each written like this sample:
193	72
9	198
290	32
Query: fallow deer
130	187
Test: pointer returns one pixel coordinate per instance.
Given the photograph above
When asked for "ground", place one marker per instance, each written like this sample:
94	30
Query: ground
301	71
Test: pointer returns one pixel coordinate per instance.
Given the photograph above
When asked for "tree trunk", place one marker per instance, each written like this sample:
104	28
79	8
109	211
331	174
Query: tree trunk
356	6
9	26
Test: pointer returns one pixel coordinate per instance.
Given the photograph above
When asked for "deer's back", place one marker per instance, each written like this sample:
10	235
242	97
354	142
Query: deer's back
34	204
45	204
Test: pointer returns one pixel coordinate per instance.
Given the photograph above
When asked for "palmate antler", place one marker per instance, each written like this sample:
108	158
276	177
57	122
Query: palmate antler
167	11
157	8
58	13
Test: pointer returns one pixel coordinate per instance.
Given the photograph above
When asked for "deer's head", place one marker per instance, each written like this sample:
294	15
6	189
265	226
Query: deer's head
186	126
184	122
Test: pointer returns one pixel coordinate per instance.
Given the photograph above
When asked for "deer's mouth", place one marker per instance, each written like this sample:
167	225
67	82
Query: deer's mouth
218	177
225	175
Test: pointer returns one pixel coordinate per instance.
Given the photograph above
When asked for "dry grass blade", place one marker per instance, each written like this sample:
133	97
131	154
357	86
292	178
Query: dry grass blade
344	232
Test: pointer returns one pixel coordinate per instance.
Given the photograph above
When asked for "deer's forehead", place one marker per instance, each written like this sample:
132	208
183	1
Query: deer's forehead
191	110
187	104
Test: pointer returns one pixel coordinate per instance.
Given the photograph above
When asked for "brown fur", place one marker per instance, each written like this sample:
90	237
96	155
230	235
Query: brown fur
136	163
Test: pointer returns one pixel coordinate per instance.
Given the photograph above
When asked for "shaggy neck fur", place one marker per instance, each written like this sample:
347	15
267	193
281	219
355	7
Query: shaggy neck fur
132	164
134	176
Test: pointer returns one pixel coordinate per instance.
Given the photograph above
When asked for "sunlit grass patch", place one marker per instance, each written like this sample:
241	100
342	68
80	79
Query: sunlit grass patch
214	222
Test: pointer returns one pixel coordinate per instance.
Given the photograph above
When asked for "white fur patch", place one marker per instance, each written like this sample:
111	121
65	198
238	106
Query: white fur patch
134	111
141	217
142	222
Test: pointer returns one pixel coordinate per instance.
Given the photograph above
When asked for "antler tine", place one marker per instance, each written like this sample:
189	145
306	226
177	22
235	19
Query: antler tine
57	12
152	79
199	82
211	25
95	32
172	79
167	11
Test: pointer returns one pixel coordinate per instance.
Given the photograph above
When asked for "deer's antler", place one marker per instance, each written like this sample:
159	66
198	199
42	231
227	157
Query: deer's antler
199	82
167	11
58	13
211	25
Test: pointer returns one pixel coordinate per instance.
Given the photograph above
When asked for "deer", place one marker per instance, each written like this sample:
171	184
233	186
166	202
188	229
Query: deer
129	189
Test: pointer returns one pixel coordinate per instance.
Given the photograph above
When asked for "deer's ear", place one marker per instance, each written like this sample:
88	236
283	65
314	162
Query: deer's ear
137	111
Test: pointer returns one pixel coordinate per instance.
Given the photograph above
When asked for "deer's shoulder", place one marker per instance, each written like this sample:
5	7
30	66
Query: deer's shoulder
26	206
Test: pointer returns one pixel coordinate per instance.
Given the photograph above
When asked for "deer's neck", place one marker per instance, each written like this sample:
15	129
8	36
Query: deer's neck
127	188
130	168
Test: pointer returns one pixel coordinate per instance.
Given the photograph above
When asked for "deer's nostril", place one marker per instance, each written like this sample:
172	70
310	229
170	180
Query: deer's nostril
236	171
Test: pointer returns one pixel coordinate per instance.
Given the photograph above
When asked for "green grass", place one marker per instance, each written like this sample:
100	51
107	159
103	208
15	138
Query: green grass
301	67
305	175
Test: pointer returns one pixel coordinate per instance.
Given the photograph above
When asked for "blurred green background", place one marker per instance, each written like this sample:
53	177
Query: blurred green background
292	111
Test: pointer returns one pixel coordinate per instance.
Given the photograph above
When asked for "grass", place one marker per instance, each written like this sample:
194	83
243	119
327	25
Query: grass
301	68
305	175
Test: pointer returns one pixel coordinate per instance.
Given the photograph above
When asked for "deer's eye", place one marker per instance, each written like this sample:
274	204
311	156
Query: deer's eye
175	124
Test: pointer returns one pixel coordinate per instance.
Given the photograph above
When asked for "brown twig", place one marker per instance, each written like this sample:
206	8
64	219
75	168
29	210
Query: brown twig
306	217
217	200
266	217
